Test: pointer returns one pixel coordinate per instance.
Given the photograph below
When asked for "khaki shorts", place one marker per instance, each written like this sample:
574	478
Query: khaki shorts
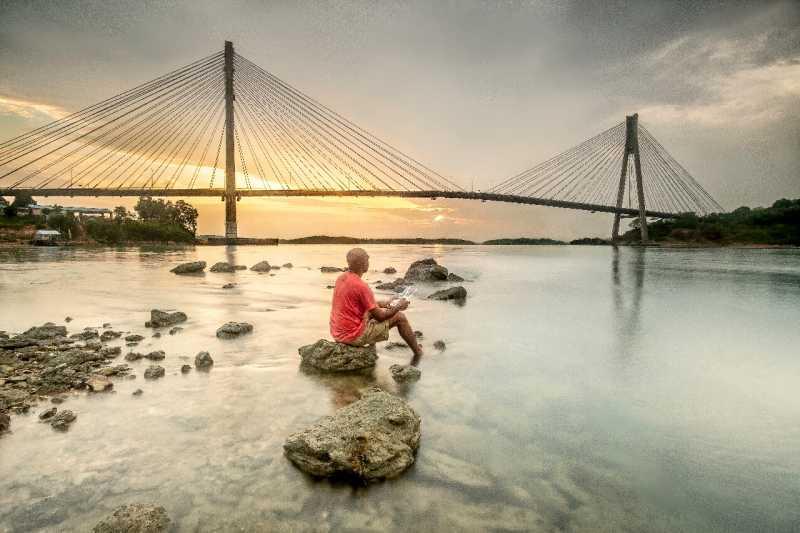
374	332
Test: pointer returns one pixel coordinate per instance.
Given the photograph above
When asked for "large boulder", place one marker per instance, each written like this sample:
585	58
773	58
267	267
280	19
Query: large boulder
337	357
261	266
135	518
234	329
453	293
426	270
222	266
160	319
190	268
373	438
46	331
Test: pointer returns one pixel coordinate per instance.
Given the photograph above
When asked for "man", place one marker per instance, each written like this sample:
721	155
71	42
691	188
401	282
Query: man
357	319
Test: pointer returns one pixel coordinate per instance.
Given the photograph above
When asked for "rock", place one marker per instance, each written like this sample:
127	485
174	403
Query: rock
373	438
134	338
390	270
48	413
62	420
161	319
107	325
185	369
57	399
239	267
45	332
453	293
175	330
154	372
93	345
135	518
330	269
202	361
330	287
133	356
454	277
189	268
229	286
68	319
157	355
234	329
114	370
395	345
262	266
5	422
99	383
288	265
426	270
440	345
222	266
417	333
157	335
404	373
137	392
337	357
85	335
397	285
109	335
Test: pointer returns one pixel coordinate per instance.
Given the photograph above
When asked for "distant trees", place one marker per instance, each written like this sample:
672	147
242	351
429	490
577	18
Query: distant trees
157	210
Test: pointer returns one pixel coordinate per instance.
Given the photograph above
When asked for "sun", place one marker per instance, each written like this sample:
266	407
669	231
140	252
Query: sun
438	218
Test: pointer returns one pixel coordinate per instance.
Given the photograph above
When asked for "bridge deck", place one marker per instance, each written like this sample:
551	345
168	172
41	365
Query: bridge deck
483	196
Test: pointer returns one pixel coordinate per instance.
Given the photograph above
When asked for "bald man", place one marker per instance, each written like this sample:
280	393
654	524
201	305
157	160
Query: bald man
357	319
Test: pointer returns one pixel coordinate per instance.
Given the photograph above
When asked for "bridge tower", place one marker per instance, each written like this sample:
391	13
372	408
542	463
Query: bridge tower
631	149
230	159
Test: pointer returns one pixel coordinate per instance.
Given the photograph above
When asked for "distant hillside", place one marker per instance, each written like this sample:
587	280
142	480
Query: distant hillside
325	239
523	240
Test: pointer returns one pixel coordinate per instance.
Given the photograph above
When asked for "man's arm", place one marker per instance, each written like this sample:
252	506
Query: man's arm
385	313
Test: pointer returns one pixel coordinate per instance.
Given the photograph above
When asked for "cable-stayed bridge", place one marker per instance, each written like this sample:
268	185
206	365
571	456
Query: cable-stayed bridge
223	126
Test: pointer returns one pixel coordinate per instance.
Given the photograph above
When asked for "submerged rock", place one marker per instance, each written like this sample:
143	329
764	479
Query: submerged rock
222	266
229	286
85	335
395	345
99	383
390	270
135	518
330	269
337	357
404	374
397	285
175	330
109	335
234	329
190	268
261	266
426	270
454	277
161	319
5	422
137	392
63	420
133	356
156	355
288	265
68	319
373	438
48	413
154	372
440	345
134	338
185	369
453	293
201	361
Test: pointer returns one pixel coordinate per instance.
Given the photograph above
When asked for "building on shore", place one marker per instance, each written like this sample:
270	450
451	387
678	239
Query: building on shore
80	212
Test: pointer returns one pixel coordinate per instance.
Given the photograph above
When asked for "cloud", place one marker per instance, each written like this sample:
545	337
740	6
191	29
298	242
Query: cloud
31	110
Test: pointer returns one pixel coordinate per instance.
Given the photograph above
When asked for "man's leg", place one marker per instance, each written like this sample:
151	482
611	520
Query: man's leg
403	326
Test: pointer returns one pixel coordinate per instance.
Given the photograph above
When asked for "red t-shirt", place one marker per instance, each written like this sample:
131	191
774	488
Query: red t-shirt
351	299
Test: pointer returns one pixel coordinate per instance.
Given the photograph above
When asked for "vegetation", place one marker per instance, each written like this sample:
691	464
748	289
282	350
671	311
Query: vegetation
523	240
593	241
325	239
775	225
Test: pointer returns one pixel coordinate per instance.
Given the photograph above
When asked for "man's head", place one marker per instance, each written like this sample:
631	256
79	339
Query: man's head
357	261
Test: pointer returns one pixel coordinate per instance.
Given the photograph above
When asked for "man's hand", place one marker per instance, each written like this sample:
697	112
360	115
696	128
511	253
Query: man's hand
402	304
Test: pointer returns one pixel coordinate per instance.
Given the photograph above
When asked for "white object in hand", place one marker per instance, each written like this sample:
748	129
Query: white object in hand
405	295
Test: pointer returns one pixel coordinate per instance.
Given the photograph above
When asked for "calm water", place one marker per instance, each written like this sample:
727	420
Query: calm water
582	389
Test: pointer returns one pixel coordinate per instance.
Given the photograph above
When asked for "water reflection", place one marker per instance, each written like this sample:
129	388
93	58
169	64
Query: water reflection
627	288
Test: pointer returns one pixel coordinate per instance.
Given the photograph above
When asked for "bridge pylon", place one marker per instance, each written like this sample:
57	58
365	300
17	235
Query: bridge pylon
631	149
230	158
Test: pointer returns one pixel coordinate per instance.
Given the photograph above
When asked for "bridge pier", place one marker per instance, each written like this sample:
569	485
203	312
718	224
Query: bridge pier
231	232
631	149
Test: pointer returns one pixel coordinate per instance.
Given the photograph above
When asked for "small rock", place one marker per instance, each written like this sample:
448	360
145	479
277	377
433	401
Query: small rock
395	345
98	383
154	372
134	338
57	399
137	392
157	335
68	319
85	335
229	286
201	361
157	355
390	270
48	413
222	266
288	265
440	345
107	324
404	373
454	277
373	438
261	266
133	356
330	269
337	357
109	335
234	329
453	293
62	420
175	330
161	319
329	287
185	369
5	422
135	518
418	334
189	268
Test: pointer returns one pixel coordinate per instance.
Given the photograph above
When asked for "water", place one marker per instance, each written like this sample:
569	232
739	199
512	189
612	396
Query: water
582	389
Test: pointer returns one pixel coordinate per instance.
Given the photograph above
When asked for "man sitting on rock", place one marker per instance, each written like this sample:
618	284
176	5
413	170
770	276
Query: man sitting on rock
357	319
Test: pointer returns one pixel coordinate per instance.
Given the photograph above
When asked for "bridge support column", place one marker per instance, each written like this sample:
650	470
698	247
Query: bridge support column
230	158
631	148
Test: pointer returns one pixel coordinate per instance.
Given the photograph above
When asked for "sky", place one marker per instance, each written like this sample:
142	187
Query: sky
476	90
